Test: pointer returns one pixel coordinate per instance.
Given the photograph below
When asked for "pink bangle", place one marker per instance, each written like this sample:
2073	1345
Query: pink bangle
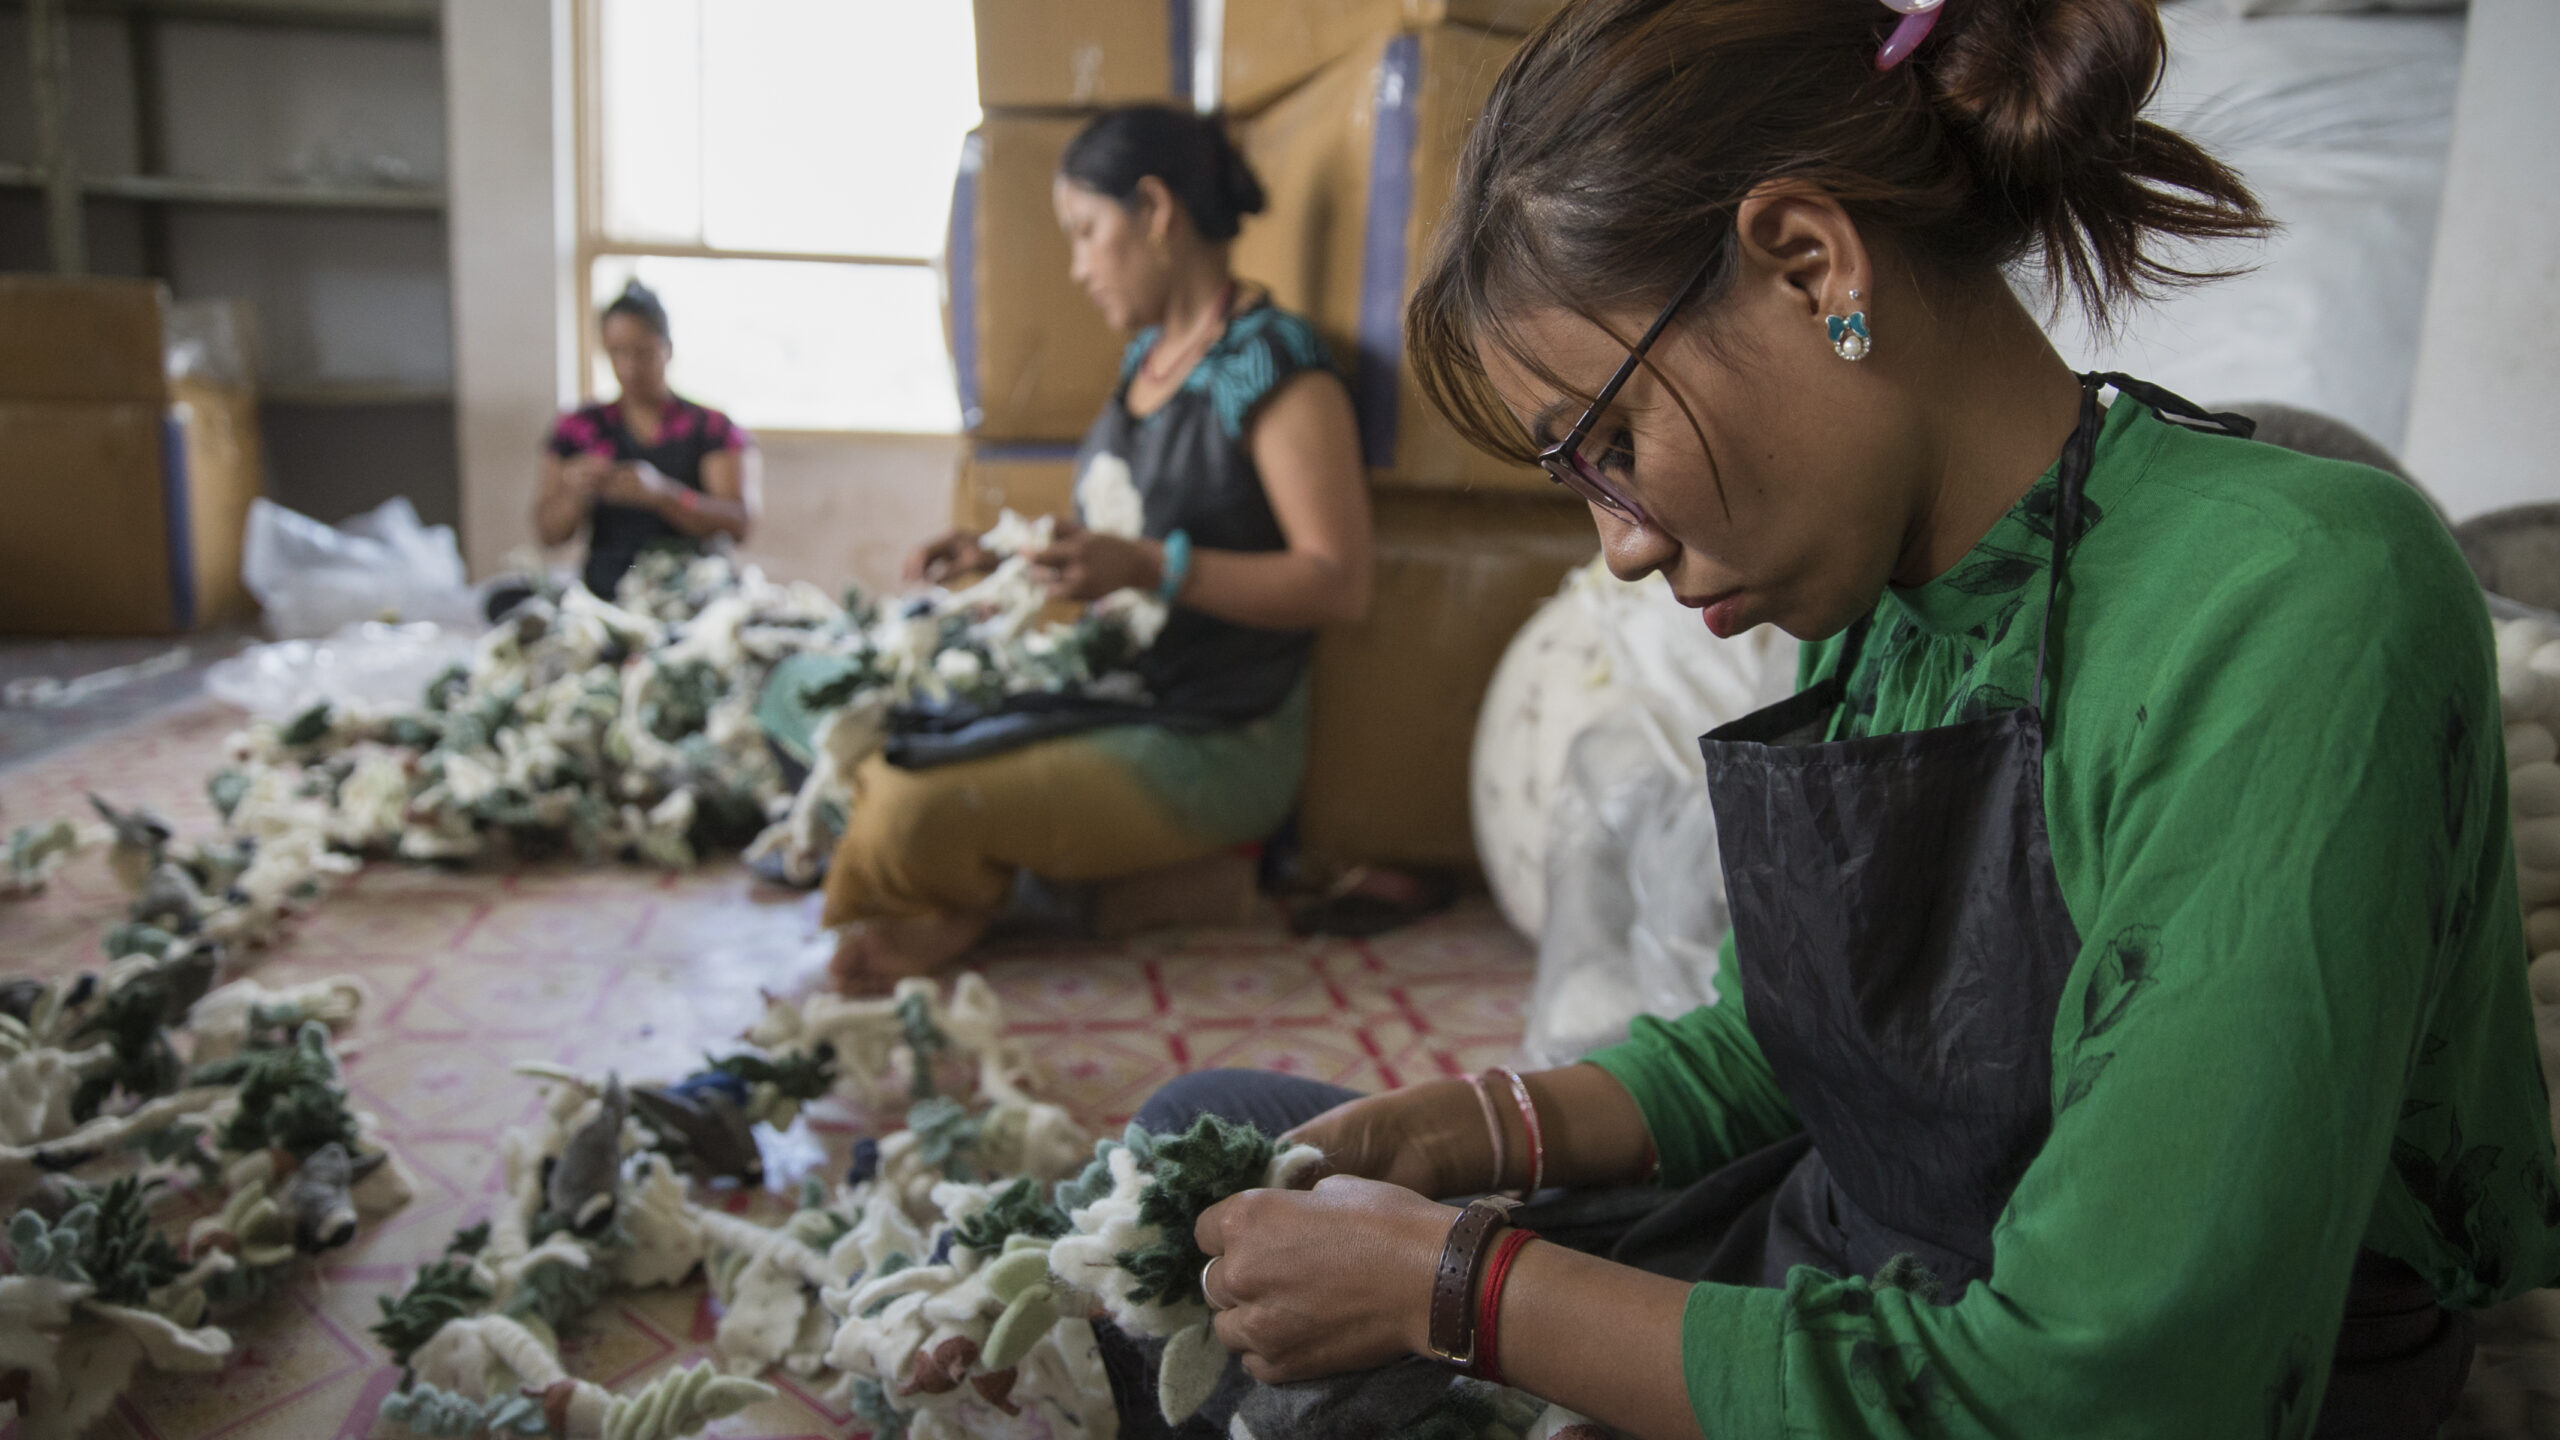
1493	1127
1529	1121
688	499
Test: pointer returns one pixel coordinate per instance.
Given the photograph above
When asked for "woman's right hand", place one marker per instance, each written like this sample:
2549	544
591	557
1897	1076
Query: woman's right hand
585	474
956	553
1429	1138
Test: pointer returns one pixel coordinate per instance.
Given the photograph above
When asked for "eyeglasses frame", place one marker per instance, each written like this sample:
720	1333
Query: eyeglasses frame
1563	461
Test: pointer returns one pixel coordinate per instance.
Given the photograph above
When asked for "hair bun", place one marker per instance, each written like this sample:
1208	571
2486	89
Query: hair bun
2046	87
2046	98
1242	188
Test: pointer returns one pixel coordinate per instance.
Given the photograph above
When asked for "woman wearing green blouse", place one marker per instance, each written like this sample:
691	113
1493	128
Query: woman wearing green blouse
2124	1030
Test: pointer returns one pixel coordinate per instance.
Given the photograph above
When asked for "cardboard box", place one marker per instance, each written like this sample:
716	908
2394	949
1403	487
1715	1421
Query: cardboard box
80	339
1268	47
225	469
147	482
1359	163
1034	358
1396	696
1052	53
1031	480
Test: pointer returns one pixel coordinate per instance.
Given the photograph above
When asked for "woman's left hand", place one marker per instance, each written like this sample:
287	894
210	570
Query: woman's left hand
638	484
1081	564
1323	1281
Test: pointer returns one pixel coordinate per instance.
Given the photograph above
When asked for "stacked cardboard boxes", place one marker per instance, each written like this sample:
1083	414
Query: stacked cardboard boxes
1359	111
132	490
1355	111
1035	361
1359	162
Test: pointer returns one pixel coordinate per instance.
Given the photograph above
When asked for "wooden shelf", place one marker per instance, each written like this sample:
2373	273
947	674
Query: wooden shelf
239	194
409	17
334	394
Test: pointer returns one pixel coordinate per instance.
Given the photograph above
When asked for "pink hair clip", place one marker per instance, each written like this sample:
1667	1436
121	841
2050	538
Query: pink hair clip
1919	17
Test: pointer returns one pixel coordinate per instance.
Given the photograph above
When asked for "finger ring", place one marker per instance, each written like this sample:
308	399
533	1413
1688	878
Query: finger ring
1204	1283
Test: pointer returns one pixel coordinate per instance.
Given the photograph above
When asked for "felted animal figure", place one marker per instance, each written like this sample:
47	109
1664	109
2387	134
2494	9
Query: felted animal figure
584	1180
171	900
702	1124
320	1196
140	839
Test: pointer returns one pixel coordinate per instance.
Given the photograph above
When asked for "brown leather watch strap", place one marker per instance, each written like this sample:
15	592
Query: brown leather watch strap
1453	1287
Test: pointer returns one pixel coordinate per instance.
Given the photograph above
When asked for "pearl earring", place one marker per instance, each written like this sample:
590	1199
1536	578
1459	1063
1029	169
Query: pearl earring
1849	335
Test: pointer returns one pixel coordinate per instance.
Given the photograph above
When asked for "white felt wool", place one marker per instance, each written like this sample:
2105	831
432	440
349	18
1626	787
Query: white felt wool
1193	1361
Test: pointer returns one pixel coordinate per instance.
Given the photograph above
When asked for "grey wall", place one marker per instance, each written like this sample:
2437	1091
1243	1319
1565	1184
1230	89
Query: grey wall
353	310
2480	418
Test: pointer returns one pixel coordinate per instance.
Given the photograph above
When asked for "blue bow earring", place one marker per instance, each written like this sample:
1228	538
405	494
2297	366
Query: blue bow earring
1849	333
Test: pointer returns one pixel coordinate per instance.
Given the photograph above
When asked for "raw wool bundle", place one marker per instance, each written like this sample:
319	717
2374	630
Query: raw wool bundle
947	1288
973	646
593	1203
1131	1248
628	728
102	1110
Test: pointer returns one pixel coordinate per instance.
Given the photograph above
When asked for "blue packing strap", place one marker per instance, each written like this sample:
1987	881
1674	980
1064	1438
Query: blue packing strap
1021	450
1177	29
961	248
174	491
1380	340
693	1087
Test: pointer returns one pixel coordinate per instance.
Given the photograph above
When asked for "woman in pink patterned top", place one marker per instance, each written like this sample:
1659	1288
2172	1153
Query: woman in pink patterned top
649	470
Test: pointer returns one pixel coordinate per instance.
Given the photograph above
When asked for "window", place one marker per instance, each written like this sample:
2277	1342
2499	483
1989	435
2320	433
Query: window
780	172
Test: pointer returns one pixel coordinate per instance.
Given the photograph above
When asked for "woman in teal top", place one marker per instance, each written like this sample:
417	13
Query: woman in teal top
1223	476
2124	1031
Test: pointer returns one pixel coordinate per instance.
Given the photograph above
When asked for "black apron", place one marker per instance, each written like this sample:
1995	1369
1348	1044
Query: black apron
1907	948
1202	673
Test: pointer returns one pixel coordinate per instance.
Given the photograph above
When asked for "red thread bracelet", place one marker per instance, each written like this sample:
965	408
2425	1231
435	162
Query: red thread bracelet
1488	1347
688	500
1529	1122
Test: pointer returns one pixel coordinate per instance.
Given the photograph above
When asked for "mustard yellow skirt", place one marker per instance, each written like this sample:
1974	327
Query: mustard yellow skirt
1094	806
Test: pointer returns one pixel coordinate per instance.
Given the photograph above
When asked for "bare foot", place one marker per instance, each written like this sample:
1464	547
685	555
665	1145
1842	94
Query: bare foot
872	956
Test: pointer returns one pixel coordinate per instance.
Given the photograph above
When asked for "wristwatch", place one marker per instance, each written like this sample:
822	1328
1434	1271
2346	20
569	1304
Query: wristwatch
1453	1286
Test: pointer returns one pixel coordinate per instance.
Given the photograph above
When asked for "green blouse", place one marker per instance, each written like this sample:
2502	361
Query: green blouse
2298	1026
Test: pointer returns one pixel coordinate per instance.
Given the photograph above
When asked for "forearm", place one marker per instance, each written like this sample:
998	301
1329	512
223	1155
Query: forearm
1593	1132
558	514
1274	590
702	516
1600	1339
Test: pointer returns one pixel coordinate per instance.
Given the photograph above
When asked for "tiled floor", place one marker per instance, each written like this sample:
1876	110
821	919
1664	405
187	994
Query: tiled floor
639	971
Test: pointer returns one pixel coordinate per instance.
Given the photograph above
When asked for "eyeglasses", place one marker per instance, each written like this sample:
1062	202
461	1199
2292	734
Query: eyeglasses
1564	461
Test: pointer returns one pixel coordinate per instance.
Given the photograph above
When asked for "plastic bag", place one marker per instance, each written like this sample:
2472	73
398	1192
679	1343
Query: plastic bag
314	579
1635	897
371	667
2342	124
1599	648
1591	801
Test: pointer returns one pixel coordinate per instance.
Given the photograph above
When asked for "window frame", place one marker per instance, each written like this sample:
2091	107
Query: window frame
592	243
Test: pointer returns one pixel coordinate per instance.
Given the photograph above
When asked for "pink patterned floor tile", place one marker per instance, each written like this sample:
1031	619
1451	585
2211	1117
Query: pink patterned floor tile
635	970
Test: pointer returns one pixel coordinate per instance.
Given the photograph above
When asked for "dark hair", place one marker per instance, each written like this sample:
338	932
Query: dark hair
1619	142
640	303
1190	153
